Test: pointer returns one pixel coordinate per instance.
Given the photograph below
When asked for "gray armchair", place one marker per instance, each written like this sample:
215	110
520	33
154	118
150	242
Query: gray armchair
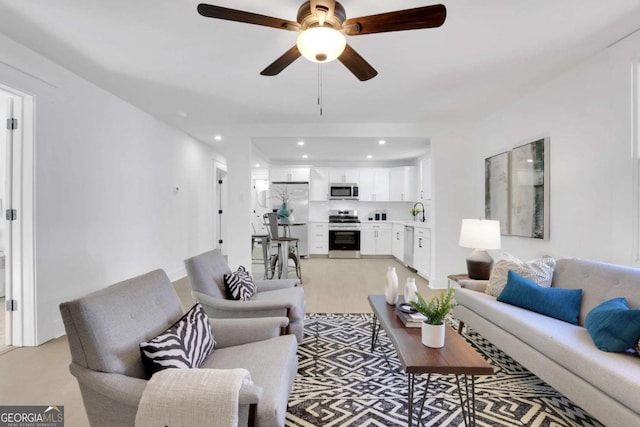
273	297
106	327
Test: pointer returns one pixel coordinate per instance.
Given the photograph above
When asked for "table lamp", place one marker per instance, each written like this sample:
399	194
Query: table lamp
480	234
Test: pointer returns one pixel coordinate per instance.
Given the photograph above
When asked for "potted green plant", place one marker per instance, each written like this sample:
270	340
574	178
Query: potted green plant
435	311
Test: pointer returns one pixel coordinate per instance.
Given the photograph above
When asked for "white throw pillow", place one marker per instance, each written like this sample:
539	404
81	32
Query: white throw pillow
539	270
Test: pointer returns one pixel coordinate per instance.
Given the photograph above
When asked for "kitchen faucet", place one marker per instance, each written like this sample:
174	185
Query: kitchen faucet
416	204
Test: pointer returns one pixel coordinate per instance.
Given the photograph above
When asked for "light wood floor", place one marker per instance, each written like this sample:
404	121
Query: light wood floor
40	375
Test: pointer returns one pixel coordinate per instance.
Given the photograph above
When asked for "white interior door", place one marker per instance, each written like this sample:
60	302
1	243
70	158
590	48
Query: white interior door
6	229
17	218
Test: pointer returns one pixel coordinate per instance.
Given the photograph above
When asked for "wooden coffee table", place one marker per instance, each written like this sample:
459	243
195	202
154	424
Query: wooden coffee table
457	357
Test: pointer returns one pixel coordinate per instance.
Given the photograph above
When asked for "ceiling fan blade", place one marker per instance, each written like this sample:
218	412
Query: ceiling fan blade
357	65
281	63
211	11
400	20
323	9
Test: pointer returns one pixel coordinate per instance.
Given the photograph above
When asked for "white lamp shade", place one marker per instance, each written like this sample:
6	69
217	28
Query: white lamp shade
321	44
480	234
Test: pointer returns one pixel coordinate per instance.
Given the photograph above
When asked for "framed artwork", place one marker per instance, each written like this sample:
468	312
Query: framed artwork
496	190
530	190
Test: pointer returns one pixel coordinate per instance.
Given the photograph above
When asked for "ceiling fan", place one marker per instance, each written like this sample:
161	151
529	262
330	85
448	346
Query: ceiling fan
322	25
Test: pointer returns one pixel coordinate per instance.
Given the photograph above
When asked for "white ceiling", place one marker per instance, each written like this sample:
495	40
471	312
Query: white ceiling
341	150
165	58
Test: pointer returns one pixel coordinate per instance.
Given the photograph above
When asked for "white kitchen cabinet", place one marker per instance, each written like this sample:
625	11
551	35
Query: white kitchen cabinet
289	174
319	184
424	190
402	184
397	242
422	251
374	185
350	175
318	238
375	238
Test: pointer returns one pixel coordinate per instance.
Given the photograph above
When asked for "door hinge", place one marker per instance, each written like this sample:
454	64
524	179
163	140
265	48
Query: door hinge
12	305
11	214
220	211
12	124
219	181
220	241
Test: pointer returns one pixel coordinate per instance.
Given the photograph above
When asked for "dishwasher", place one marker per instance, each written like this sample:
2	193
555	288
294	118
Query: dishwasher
408	245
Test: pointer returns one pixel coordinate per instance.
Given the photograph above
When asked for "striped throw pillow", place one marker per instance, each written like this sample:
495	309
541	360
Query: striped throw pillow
239	285
184	345
539	270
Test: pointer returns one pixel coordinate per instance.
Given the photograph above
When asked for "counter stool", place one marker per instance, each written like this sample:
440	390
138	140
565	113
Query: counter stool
282	246
262	240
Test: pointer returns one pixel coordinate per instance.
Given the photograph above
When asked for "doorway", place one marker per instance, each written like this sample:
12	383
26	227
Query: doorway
6	110
17	286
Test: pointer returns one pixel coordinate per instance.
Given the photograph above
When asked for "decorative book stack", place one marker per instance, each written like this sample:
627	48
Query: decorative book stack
410	320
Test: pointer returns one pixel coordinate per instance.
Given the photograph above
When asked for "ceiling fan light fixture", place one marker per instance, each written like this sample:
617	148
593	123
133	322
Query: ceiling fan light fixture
321	44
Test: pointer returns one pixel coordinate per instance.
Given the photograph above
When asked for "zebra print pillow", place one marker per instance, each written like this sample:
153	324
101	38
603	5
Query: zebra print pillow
185	345
239	285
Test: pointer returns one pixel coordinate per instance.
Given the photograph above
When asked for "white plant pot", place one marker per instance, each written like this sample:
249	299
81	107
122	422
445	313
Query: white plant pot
433	335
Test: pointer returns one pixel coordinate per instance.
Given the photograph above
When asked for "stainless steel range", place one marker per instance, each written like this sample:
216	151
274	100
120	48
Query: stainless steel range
344	234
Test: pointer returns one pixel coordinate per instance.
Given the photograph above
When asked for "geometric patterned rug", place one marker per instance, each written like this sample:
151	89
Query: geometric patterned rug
341	383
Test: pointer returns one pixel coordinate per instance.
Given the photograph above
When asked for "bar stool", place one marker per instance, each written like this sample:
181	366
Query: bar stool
286	248
262	240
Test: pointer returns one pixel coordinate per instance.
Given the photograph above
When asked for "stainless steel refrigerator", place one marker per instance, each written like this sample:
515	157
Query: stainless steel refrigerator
298	204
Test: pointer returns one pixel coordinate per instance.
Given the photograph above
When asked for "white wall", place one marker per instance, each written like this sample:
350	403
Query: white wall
586	113
106	204
452	190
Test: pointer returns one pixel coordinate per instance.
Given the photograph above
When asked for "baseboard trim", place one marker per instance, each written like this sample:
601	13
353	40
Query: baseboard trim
177	274
438	284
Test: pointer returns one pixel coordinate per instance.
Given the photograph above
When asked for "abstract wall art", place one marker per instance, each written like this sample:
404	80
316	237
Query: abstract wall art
497	191
530	190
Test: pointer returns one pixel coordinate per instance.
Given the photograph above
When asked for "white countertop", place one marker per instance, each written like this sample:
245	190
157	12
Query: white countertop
410	223
414	223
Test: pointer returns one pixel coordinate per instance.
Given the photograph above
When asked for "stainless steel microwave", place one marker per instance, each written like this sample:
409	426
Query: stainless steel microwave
343	191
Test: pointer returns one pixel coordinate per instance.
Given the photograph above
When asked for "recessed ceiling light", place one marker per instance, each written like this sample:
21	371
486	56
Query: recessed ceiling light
529	160
301	143
217	137
369	156
183	114
257	165
382	142
304	156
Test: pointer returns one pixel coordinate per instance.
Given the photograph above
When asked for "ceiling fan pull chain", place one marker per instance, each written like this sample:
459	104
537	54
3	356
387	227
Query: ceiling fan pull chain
320	87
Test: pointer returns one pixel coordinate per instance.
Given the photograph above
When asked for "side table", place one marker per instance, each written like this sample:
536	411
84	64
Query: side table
463	281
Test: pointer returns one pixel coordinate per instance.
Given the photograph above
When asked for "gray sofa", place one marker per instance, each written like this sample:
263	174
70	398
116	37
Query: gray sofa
281	297
106	327
607	385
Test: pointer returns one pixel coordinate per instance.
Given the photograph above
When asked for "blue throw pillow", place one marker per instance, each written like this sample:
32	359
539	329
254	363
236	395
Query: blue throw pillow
559	303
614	326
